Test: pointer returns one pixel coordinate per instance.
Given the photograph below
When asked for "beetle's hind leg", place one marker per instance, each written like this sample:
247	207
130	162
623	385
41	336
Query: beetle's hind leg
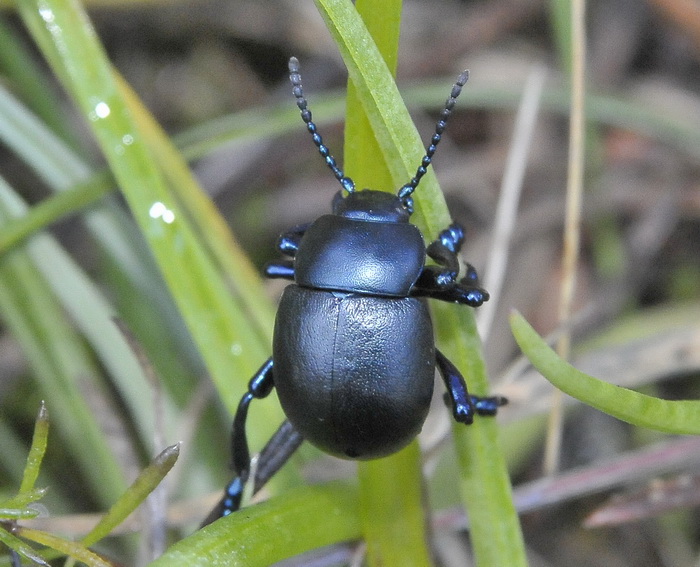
259	387
464	405
274	455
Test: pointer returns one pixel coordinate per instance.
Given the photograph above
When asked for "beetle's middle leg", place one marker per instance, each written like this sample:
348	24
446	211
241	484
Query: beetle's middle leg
464	405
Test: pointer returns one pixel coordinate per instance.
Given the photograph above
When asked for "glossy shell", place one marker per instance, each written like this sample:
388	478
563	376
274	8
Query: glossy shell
345	254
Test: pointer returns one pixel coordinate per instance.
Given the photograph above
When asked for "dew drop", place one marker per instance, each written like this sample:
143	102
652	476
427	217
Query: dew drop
102	110
159	211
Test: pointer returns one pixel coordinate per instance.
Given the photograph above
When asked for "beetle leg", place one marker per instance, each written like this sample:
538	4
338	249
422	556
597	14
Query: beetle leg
456	293
464	405
444	251
259	387
282	269
466	291
439	282
276	453
288	242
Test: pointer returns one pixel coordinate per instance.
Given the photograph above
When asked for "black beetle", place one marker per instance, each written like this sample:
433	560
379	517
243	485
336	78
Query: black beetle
354	356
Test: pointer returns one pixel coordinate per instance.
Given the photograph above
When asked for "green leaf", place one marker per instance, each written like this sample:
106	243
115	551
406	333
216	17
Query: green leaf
21	547
59	359
392	509
391	496
70	548
133	497
295	522
392	126
174	215
36	451
679	417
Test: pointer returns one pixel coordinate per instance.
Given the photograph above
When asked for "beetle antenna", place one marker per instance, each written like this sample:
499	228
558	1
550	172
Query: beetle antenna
295	78
406	190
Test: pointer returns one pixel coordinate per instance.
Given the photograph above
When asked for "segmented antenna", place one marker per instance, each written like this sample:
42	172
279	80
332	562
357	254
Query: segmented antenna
295	78
406	190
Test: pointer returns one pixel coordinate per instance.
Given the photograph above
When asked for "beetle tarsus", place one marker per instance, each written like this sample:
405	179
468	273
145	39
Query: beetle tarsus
488	406
464	405
288	242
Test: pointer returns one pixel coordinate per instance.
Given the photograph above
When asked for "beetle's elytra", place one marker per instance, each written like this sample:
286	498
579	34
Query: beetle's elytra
354	356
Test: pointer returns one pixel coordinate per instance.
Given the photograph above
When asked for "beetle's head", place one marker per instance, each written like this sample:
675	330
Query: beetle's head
369	205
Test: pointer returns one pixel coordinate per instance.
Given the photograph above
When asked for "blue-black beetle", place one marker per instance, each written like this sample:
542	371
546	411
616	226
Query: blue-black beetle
354	356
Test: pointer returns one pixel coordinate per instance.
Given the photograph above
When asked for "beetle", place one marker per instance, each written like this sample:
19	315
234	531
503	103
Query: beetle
353	356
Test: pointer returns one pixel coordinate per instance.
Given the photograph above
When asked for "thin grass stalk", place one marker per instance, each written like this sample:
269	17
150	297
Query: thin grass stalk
572	222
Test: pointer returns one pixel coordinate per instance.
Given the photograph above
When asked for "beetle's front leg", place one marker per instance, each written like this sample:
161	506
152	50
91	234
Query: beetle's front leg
464	405
444	251
288	244
439	282
456	293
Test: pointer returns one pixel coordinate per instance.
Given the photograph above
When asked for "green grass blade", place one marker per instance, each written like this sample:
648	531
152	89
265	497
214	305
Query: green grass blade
391	497
486	489
392	509
212	230
297	521
62	30
36	451
52	209
72	549
484	482
679	417
20	69
134	496
32	140
363	161
59	360
21	547
93	314
393	128
16	514
138	288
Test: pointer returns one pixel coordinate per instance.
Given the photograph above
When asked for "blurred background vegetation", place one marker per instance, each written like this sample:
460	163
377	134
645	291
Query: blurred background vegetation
214	75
